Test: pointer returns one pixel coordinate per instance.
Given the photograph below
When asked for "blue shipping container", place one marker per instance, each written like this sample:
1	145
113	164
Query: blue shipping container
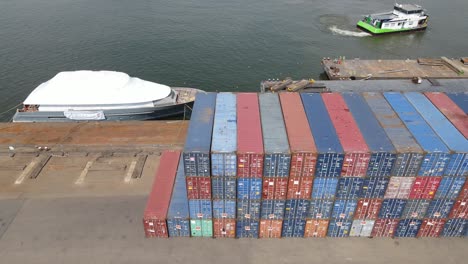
200	209
272	209
293	228
198	143
437	157
330	152
339	228
455	141
249	188
224	209
392	208
178	227
248	209
275	140
224	141
223	187
455	227
349	188
247	228
439	208
374	187
449	187
409	153
344	209
296	208
383	154
320	208
408	228
178	207
416	208
460	99
324	188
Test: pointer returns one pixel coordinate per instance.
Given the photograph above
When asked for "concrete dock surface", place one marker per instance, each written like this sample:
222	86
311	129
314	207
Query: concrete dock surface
82	201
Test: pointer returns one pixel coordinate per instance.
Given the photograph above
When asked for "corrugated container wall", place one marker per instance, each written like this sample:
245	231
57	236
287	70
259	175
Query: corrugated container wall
200	209
296	209
274	188
385	227
299	187
424	187
324	188
224	141
399	187
437	154
248	209
199	187
201	228
451	110
450	187
383	154
270	228
293	227
453	139
392	208
431	227
224	228
368	209
439	208
247	228
409	153
249	137
330	152
272	209
455	228
408	227
461	99
349	188
301	141
223	187
198	144
316	228
320	208
339	228
362	228
157	206
357	155
224	209
374	187
344	209
459	209
178	215
416	208
277	159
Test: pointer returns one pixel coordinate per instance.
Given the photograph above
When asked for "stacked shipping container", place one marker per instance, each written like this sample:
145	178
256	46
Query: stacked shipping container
224	166
249	165
273	167
197	166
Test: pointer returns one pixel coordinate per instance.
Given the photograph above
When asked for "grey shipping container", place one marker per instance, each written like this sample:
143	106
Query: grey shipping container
272	209
330	152
383	154
362	228
198	144
416	208
223	187
248	209
320	208
409	153
275	140
178	214
224	141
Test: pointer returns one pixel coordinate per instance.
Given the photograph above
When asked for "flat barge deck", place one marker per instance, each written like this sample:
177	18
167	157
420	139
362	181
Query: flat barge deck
356	69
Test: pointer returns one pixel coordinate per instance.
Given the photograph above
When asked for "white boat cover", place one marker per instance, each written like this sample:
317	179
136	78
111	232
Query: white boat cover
96	88
85	115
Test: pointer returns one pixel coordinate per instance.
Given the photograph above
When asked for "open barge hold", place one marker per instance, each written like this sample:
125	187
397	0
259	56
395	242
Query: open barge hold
357	69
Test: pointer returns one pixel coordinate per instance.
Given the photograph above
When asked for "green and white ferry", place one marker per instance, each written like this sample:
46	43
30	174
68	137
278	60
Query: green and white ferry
403	18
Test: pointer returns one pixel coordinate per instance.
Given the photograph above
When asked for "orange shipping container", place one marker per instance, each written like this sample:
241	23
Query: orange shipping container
224	227
316	228
270	228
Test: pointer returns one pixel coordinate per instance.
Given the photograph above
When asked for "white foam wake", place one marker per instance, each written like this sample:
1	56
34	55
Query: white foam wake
350	33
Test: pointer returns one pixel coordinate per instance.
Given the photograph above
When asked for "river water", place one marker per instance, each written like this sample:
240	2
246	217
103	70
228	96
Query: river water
215	45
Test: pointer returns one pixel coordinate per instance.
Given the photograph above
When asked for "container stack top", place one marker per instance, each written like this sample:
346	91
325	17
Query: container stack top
401	138
320	124
225	124
201	124
370	128
446	131
346	128
161	191
451	110
249	130
423	133
275	139
461	99
297	126
178	207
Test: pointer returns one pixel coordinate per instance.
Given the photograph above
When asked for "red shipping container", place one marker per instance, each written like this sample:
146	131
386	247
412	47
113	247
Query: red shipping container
459	209
198	187
300	187
451	110
399	187
464	192
274	188
368	209
424	187
301	141
270	228
385	227
357	155
154	217
431	227
316	228
223	227
249	137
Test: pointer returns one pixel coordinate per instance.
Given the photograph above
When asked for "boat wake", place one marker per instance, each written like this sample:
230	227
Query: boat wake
348	33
